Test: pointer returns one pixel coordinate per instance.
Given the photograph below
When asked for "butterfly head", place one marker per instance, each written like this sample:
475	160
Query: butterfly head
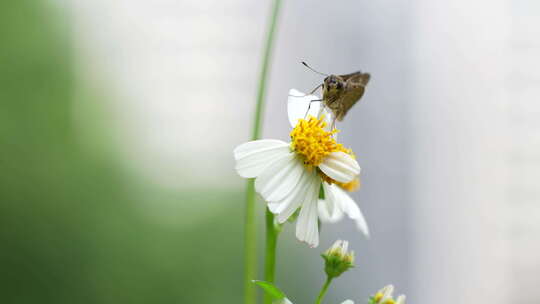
332	83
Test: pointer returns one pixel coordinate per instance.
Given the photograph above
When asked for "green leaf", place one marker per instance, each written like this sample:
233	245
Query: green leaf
271	289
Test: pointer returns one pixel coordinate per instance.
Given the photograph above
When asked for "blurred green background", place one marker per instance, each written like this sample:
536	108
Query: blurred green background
76	226
73	227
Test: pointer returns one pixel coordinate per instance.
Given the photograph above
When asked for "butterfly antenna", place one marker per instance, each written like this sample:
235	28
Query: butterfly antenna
307	66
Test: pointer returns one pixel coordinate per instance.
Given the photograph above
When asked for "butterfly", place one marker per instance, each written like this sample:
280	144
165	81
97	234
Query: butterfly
341	92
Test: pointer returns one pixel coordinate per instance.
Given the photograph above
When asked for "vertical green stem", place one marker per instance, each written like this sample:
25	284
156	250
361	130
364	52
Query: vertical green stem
272	233
323	290
250	227
250	245
261	92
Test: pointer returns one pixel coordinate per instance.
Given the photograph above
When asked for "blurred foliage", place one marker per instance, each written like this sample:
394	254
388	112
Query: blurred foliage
71	226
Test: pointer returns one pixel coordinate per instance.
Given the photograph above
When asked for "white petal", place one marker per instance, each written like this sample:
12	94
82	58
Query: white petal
324	214
289	204
387	292
298	104
401	299
328	118
307	228
330	198
344	205
273	206
283	301
348	302
350	208
254	156
344	246
280	178
340	166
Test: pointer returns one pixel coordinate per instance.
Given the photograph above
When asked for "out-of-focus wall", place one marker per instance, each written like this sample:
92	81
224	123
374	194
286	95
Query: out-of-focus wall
458	148
475	174
522	184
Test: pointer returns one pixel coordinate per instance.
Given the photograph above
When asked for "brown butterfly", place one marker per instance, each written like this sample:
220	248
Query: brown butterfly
341	92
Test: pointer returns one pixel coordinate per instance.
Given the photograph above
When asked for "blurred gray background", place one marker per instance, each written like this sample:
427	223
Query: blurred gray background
160	92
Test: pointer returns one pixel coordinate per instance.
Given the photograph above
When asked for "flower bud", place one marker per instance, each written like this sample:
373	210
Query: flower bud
385	296
338	259
401	299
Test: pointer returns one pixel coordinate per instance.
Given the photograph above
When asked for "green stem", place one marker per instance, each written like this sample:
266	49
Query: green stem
272	233
250	227
250	245
323	290
261	92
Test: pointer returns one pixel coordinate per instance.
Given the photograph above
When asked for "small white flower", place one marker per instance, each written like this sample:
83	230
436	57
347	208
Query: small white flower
385	296
286	301
340	250
289	175
338	259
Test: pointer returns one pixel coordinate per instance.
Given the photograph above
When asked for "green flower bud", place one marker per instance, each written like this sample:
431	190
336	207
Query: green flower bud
337	259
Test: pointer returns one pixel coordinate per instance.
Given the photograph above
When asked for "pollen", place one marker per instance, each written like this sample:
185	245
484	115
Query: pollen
312	142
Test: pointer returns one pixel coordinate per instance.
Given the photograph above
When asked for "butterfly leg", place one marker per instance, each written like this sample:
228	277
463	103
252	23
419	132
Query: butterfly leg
309	106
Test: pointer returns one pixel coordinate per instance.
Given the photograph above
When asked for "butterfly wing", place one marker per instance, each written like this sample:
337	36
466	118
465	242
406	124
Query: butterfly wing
355	84
356	75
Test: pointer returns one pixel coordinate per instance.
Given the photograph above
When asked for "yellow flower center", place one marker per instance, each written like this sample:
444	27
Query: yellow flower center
312	142
378	297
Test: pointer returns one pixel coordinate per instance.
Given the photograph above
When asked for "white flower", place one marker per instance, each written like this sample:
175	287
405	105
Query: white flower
337	202
289	175
286	301
385	296
338	259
